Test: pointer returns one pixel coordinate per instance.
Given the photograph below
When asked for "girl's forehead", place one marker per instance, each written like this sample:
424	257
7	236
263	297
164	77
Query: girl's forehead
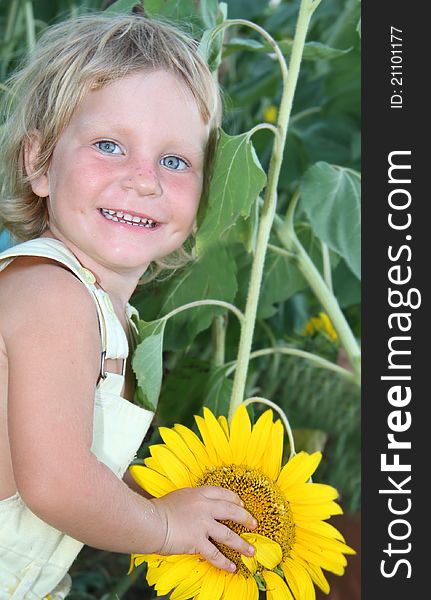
149	101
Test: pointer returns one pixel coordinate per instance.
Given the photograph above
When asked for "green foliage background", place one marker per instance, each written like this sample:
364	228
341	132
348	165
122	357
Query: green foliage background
321	162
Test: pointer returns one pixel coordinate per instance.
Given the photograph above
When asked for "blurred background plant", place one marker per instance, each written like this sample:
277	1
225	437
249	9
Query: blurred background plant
321	163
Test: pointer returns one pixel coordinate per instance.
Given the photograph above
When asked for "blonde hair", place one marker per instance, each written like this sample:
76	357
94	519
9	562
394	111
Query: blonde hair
72	57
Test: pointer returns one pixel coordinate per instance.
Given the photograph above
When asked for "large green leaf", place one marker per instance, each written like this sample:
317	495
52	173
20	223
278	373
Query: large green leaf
237	181
330	196
182	394
282	278
211	276
218	392
147	362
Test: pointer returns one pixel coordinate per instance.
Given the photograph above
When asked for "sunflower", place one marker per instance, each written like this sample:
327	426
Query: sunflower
292	540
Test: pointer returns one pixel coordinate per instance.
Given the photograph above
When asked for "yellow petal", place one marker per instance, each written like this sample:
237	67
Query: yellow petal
187	588
224	425
268	553
154	483
331	561
271	461
240	432
177	571
238	587
194	444
298	578
311	493
318	577
213	585
321	528
136	560
176	444
218	437
175	470
209	446
250	562
276	589
315	511
321	542
259	439
298	469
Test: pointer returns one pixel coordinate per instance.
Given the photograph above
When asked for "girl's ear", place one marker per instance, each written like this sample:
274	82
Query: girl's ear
39	184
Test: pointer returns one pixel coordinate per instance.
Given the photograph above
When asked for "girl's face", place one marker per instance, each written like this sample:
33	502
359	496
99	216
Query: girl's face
125	178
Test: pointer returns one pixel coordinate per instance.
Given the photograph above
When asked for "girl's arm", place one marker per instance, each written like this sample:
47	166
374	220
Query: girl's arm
49	324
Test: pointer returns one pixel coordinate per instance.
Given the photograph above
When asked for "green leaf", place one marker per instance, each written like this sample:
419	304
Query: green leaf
182	394
211	276
211	11
246	9
282	279
172	9
312	50
236	183
147	362
123	6
218	392
330	196
347	287
210	46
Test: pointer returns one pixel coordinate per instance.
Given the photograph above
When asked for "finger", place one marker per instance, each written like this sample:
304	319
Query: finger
223	535
219	493
227	511
215	557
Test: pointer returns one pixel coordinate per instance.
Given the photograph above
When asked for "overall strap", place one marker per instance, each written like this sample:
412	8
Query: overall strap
112	335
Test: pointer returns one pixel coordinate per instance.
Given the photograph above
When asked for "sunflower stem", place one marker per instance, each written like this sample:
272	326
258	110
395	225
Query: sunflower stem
219	340
287	236
290	79
197	303
283	417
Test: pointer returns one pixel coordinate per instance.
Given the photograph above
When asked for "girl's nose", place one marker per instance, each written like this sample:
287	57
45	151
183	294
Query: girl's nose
144	182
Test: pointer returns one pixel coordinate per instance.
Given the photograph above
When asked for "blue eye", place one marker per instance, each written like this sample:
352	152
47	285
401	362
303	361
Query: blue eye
108	147
174	162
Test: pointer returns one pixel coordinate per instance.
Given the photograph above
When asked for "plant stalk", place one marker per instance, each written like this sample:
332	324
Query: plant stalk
288	238
270	199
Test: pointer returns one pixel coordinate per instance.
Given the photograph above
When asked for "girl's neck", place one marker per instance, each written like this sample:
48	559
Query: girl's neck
119	285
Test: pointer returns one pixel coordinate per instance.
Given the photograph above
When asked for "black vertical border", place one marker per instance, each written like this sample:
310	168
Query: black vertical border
387	129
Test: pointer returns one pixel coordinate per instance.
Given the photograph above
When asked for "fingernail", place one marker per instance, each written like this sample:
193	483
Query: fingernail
254	523
242	503
232	567
251	550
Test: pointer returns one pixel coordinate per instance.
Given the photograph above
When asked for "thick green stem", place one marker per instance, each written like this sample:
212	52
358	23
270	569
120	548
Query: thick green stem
270	199
288	238
219	340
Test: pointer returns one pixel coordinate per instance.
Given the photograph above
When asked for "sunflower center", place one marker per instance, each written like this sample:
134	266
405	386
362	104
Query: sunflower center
262	498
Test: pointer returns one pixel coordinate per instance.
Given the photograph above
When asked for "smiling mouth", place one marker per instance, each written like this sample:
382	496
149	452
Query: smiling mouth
123	217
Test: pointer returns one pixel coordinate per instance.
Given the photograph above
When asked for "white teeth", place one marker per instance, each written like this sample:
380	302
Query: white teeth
122	217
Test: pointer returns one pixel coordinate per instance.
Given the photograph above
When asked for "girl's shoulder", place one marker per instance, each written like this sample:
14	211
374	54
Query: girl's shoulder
35	290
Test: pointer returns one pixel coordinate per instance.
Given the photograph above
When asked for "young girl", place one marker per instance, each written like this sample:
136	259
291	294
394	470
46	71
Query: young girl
103	166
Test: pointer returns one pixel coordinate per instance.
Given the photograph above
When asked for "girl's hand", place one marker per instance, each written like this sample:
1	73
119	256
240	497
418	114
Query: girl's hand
190	516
